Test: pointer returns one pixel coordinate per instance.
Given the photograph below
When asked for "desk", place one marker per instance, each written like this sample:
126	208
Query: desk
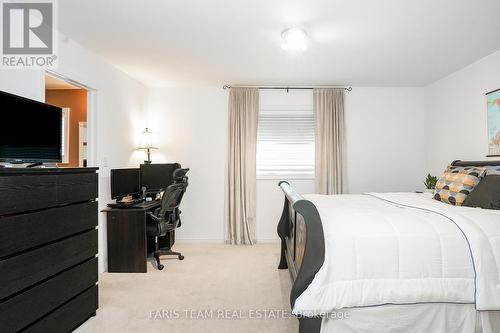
127	239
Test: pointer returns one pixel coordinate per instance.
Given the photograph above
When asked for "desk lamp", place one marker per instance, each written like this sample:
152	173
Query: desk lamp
147	144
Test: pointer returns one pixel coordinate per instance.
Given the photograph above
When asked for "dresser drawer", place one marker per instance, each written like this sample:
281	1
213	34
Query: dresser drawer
20	193
19	311
44	226
26	269
69	316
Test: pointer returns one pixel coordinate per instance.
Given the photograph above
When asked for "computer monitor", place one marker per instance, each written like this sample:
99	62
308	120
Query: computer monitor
125	182
157	177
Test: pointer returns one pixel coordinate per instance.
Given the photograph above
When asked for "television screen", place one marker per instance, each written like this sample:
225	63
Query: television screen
30	131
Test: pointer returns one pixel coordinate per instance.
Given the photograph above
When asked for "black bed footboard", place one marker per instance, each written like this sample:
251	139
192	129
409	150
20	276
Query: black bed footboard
302	247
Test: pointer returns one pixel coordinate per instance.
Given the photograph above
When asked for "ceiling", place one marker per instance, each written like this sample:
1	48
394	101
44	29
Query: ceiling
352	42
52	83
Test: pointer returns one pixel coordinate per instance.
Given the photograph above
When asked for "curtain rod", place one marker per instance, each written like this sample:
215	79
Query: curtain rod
286	88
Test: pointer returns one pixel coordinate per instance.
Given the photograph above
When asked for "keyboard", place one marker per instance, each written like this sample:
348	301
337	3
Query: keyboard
125	204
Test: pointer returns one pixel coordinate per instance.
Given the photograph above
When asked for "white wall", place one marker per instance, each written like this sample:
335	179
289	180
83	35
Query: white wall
456	113
385	151
26	82
189	126
119	105
385	139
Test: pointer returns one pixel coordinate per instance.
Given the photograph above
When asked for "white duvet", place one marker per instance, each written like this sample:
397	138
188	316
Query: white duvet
401	248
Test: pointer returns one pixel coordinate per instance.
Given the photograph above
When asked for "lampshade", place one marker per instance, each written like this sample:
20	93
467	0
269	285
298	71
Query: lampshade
146	140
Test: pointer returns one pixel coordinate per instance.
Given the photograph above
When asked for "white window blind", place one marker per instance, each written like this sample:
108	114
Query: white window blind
285	141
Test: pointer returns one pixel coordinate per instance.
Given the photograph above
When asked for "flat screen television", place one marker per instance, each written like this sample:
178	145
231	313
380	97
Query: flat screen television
30	131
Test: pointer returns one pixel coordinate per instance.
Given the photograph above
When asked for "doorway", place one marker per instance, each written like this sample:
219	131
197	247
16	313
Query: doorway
74	99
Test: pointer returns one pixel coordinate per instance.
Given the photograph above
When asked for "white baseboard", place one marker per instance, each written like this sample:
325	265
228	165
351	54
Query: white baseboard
221	241
199	240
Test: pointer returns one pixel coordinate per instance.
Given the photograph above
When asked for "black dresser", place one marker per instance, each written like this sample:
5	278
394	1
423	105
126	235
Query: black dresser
48	247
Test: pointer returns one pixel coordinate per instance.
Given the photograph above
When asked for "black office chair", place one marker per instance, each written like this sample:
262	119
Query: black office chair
167	218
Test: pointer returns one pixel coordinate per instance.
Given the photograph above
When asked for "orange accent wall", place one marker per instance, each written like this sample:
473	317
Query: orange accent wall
76	100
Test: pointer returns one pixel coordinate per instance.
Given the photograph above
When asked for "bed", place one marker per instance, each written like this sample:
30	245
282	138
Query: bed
398	262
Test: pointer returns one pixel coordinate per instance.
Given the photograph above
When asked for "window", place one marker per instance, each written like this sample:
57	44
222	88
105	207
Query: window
285	135
65	135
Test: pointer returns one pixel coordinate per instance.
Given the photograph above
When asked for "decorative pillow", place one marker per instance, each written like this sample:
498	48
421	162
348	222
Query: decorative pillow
486	194
456	183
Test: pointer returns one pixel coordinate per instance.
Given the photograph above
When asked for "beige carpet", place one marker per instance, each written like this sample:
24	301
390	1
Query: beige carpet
217	288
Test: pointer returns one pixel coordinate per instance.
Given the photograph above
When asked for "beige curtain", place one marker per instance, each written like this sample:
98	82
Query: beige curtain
329	129
240	180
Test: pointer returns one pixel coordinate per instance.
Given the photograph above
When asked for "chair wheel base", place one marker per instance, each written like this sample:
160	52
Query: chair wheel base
159	253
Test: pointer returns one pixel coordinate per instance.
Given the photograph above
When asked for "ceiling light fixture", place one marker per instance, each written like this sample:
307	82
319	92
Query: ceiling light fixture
294	39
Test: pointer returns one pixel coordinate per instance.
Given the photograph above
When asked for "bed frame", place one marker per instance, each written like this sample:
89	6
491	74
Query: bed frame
303	243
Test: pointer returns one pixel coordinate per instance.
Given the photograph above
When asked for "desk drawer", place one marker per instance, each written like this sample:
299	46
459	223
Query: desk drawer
23	309
44	226
69	316
26	269
19	193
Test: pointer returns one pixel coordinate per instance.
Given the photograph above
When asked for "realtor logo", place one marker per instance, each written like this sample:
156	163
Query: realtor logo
28	34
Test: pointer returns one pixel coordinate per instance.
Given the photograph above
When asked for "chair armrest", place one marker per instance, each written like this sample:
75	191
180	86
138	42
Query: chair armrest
153	217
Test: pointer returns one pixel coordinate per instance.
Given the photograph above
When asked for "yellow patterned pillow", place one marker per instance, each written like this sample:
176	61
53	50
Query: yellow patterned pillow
456	183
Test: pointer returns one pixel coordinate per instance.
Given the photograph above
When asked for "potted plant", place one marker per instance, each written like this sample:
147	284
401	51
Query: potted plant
430	183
